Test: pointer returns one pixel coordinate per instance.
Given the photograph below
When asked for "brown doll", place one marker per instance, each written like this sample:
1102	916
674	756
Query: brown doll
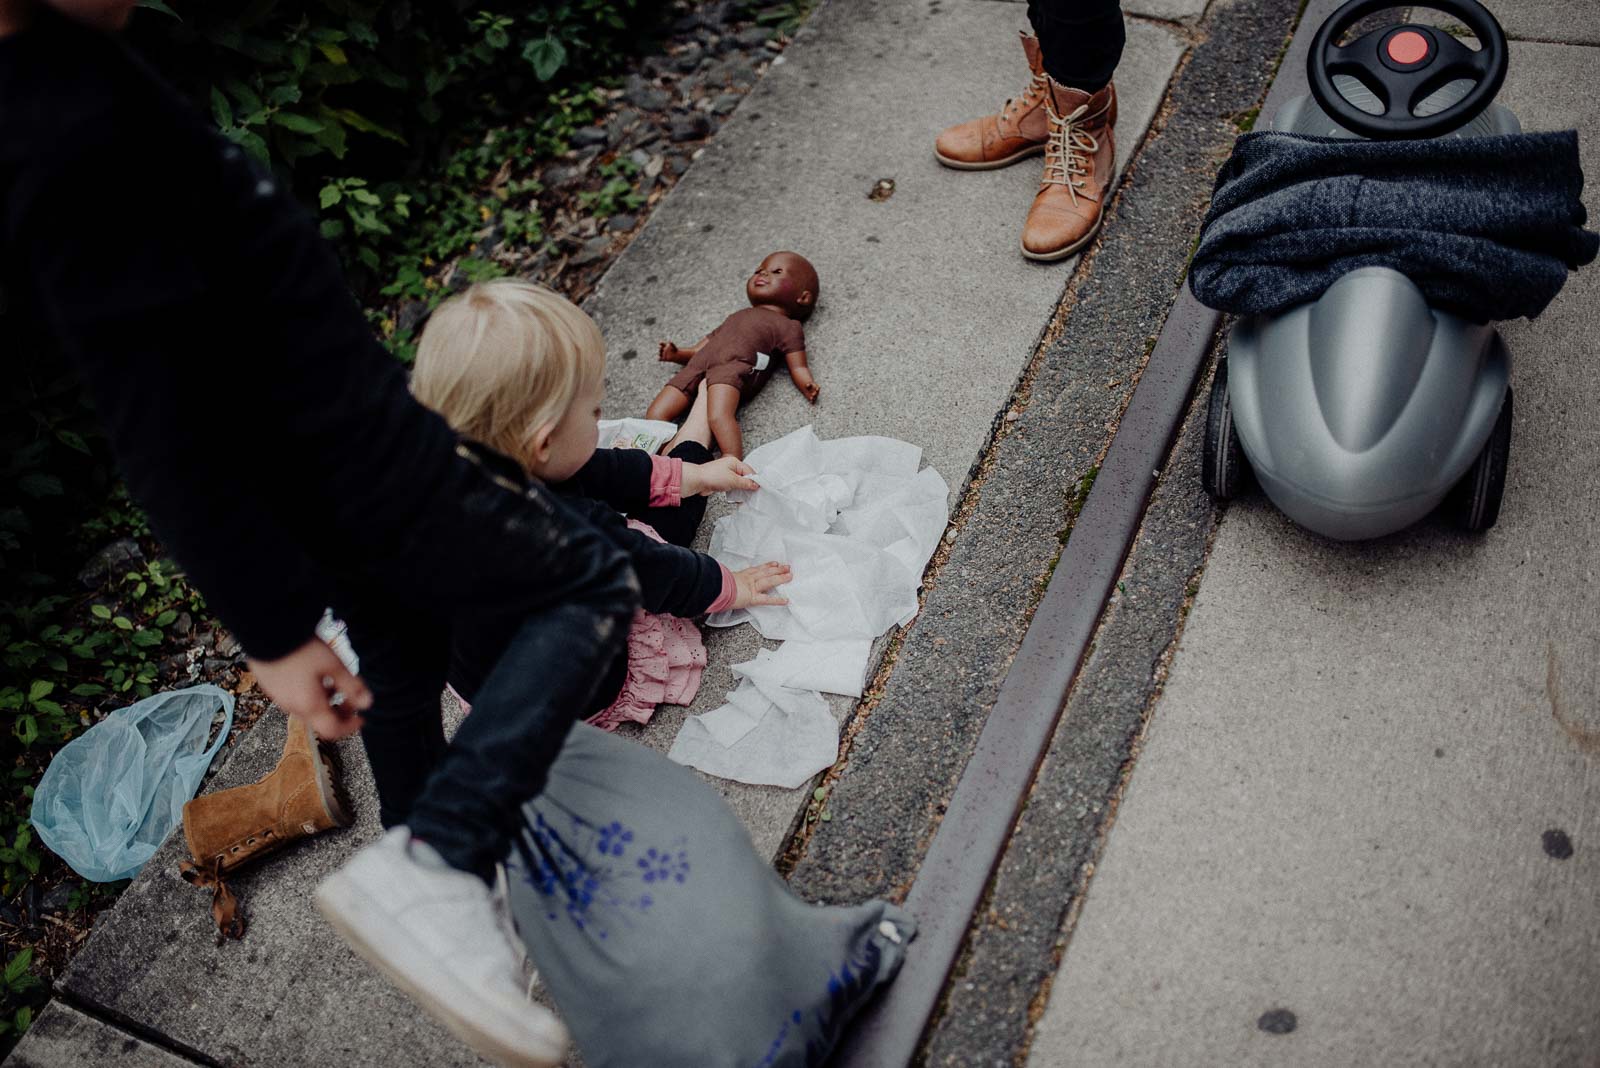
735	360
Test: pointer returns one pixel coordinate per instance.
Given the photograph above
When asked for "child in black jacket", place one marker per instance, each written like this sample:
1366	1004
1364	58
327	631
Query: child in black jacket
505	358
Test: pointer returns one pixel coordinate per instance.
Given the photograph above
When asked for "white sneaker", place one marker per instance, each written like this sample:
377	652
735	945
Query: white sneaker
500	898
432	930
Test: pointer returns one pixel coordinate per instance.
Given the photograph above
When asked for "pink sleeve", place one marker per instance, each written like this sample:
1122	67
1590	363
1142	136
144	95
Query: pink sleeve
666	481
730	590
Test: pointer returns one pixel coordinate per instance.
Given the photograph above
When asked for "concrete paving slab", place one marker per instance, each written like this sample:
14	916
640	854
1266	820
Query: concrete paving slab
1552	21
290	992
63	1037
1536	21
1168	10
1364	825
928	312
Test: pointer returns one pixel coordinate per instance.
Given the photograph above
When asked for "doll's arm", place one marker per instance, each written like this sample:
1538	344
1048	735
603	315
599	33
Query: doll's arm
800	374
670	353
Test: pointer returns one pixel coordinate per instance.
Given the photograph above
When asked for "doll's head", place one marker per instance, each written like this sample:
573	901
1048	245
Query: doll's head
786	281
519	369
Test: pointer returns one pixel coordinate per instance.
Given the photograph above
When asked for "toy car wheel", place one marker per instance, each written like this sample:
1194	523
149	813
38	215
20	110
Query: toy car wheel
1475	500
1225	470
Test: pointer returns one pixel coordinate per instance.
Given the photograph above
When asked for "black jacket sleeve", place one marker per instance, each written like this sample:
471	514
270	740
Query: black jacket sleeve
672	580
249	407
119	285
619	477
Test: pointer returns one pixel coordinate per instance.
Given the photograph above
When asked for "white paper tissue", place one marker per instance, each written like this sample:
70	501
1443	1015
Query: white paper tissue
857	523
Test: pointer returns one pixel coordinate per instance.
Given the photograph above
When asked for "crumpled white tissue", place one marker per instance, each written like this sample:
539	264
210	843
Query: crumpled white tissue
856	522
768	735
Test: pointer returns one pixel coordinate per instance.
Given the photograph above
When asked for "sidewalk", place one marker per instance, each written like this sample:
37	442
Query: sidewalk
929	317
1307	803
1363	825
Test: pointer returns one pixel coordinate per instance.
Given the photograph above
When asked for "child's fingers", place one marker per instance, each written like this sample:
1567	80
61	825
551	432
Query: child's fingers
767	598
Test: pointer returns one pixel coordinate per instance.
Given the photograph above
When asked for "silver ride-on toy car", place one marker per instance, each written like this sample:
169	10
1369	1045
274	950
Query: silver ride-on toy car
1364	410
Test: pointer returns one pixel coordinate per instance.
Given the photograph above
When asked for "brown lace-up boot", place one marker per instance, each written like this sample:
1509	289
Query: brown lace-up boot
229	829
1078	160
1018	130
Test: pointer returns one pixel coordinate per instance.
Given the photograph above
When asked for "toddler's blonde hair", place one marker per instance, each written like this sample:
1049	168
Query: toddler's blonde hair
503	358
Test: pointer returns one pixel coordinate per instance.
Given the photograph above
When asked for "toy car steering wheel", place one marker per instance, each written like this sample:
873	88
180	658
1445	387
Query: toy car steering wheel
1401	65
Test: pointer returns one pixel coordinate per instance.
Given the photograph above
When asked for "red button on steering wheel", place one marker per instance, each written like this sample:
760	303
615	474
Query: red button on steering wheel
1408	47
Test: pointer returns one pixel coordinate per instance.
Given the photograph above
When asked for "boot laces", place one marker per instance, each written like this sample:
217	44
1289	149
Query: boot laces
1067	153
1029	98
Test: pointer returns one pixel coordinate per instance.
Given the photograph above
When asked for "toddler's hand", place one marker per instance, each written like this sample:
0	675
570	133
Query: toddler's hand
719	476
313	684
754	584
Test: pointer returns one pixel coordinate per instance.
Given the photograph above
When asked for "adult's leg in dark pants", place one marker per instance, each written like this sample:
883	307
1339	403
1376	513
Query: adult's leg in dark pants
403	661
1080	41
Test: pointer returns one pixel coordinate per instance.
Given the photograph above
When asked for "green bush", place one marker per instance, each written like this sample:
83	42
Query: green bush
361	106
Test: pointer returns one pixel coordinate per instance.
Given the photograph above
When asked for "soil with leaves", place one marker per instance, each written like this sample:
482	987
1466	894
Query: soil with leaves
557	198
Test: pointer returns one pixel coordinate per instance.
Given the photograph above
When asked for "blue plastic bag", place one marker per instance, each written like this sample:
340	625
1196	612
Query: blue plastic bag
113	794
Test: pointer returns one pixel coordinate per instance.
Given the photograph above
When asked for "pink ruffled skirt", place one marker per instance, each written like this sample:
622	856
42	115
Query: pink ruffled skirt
666	659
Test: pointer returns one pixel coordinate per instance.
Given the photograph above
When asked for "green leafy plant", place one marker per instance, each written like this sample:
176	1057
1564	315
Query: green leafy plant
617	194
16	1016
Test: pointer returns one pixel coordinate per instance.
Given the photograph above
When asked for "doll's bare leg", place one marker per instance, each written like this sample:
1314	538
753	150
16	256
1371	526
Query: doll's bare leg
669	404
696	427
722	411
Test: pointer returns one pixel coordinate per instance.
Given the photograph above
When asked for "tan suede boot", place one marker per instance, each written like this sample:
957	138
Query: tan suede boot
229	829
1018	130
1078	162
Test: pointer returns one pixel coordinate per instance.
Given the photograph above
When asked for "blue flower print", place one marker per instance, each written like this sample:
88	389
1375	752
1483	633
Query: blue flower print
661	865
614	839
577	871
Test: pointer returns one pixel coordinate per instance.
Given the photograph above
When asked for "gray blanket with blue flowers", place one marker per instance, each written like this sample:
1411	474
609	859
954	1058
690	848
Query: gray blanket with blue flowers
662	936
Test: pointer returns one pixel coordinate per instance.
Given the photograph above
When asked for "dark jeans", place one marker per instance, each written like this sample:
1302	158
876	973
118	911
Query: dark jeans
677	523
478	643
1080	41
509	552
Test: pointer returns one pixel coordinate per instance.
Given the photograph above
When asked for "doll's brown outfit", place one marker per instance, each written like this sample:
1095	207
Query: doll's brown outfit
730	355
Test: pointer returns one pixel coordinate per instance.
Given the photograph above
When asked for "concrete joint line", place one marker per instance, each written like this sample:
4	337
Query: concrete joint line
970	839
134	1029
805	825
959	862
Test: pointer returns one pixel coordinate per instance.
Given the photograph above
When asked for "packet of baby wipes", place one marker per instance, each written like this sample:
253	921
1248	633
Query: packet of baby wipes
646	434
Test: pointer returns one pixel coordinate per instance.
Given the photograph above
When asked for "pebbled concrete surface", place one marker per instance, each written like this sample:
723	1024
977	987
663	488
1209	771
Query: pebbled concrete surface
62	1035
1014	944
953	660
928	312
1551	21
1363	826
